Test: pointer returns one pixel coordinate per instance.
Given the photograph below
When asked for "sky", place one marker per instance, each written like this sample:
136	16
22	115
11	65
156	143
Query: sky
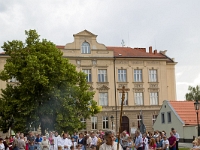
172	25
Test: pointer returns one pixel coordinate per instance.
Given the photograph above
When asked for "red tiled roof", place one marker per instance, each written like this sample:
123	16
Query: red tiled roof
134	52
60	46
186	111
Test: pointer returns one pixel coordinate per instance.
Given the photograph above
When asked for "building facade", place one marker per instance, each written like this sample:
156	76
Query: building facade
149	76
179	115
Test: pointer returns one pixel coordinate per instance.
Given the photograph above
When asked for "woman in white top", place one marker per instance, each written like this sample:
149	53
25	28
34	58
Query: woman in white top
165	143
2	147
110	144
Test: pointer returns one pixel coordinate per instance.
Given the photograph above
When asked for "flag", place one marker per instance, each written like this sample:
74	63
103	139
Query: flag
142	126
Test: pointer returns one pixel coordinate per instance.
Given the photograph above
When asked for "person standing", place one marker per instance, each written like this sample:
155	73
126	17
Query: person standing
31	141
177	137
124	140
110	144
15	142
64	143
56	138
138	141
21	143
45	143
172	141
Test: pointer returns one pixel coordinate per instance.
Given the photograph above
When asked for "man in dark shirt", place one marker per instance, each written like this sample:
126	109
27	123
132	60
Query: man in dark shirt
31	141
172	141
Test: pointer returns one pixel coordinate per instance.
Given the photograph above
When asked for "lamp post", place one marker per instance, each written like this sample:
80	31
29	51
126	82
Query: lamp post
112	120
196	106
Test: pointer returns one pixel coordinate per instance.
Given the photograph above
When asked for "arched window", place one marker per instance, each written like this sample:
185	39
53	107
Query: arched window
85	48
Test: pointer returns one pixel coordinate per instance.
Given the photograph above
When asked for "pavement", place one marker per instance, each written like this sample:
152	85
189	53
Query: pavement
186	145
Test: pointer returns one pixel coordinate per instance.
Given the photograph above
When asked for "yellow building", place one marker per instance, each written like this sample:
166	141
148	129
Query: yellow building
149	76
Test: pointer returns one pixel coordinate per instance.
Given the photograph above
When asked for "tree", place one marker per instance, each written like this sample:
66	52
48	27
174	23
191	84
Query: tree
48	92
194	93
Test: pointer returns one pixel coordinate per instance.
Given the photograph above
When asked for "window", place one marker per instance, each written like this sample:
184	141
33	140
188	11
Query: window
163	117
13	79
153	98
105	122
85	48
138	98
102	75
139	118
152	75
84	122
154	118
103	99
169	117
122	75
88	73
137	75
125	99
94	123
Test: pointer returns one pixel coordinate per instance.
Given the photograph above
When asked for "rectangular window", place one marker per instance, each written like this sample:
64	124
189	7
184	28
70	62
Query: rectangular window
103	99
138	98
105	123
13	79
154	118
169	117
122	75
152	75
102	75
94	123
137	75
153	98
125	99
163	117
89	75
139	118
83	122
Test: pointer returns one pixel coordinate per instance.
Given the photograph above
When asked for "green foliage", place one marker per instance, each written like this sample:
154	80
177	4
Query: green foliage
194	93
49	92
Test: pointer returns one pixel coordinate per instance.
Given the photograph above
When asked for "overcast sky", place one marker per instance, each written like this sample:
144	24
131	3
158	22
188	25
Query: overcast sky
172	25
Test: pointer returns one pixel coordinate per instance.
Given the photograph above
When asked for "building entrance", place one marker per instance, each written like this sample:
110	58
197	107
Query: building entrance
125	124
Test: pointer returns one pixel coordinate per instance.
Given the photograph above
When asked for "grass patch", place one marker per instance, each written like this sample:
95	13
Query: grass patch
183	148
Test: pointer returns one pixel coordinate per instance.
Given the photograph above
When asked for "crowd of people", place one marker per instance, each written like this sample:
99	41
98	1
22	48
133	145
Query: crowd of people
94	141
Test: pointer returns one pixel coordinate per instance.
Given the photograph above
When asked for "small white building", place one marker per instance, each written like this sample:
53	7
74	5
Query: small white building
179	115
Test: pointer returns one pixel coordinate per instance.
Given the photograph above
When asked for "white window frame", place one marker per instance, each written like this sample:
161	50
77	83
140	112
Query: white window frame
94	123
154	117
105	122
102	75
138	97
137	75
83	121
122	75
153	75
103	98
125	99
85	48
89	74
13	79
154	98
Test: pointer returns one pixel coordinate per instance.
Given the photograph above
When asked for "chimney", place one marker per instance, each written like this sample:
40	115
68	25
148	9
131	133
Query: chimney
155	51
150	49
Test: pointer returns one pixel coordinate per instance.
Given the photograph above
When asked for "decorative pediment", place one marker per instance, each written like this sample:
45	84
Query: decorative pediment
85	33
140	90
103	87
91	88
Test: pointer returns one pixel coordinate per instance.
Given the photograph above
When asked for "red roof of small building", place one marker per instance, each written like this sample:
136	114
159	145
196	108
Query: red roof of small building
186	111
135	52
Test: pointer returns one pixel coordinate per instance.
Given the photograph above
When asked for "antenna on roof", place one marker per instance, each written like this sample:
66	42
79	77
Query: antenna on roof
123	43
155	43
